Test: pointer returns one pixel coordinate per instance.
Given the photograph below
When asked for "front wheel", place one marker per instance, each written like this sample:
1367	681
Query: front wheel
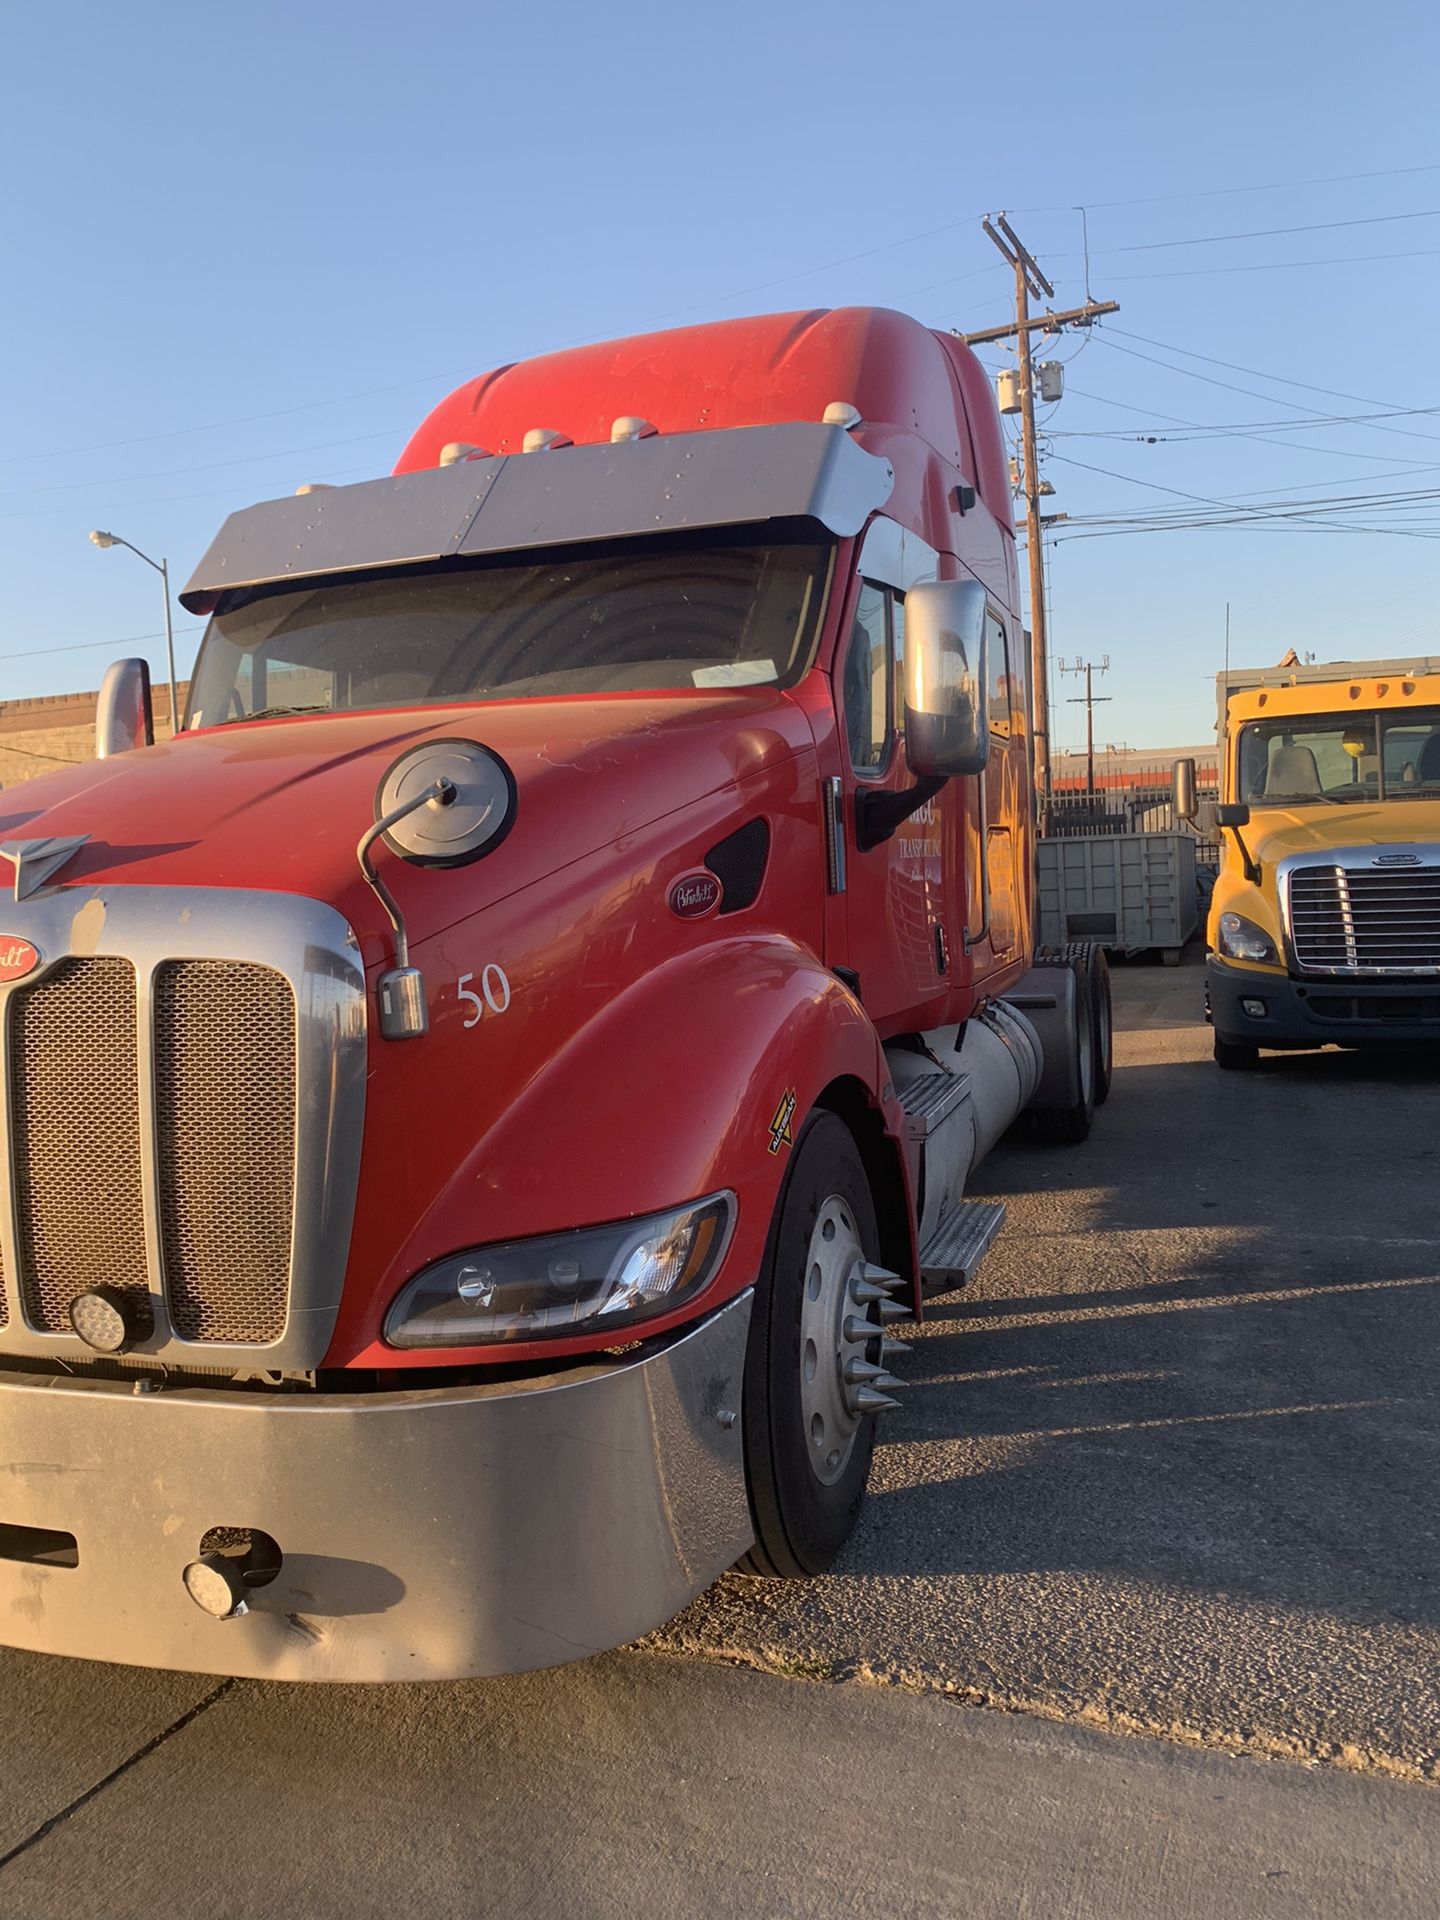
810	1370
1234	1056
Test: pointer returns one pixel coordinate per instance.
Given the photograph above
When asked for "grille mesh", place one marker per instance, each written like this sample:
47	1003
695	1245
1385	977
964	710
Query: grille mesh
76	1107
225	1126
1351	920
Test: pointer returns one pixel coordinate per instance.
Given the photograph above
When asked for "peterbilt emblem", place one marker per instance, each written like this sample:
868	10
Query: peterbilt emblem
1396	860
694	895
17	958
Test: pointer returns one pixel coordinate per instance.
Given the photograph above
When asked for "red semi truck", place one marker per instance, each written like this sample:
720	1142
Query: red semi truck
481	1097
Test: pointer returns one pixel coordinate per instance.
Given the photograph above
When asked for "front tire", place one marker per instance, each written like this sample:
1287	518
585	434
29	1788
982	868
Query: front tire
807	1453
1234	1056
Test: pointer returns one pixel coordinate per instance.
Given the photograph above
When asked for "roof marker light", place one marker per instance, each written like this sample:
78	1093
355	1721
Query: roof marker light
840	413
454	451
541	439
629	426
315	486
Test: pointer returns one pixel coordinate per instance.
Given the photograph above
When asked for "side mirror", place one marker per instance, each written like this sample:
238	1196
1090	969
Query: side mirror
1235	813
1182	790
123	715
946	729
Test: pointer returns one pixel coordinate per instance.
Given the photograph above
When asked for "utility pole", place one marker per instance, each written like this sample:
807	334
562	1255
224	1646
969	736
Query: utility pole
1090	698
1029	280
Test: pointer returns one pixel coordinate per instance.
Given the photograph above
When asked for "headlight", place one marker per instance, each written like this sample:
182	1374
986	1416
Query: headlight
1241	939
587	1281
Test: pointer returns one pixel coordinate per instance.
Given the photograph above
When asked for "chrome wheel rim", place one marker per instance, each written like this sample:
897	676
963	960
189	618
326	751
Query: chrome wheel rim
834	1264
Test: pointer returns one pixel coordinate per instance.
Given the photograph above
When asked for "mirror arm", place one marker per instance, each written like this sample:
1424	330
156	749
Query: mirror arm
1251	866
878	815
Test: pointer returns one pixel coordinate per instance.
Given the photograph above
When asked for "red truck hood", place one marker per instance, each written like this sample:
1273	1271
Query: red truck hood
280	804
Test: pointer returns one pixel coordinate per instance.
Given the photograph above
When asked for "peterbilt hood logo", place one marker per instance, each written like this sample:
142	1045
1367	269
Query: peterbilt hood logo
17	958
694	895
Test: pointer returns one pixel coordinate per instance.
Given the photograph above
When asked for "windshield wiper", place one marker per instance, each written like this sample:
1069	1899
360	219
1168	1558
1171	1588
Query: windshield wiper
276	713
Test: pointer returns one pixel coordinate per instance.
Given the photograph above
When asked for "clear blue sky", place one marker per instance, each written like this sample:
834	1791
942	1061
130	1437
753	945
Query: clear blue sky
249	246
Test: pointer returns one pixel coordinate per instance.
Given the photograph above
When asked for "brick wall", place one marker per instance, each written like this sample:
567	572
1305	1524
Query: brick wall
58	730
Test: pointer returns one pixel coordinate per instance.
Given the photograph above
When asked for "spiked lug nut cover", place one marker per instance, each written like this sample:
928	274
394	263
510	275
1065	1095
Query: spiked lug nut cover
858	1328
867	1292
867	1400
881	1277
105	1319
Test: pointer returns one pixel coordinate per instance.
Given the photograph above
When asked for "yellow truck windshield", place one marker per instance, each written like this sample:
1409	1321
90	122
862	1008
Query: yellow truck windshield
1303	760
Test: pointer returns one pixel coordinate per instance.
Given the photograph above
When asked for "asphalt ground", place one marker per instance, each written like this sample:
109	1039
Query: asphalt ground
1168	1469
1171	1466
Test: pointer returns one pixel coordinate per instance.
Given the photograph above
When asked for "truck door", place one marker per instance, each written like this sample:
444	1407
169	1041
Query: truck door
993	884
902	919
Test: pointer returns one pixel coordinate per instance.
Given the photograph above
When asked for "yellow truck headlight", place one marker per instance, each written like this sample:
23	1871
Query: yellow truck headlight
1241	939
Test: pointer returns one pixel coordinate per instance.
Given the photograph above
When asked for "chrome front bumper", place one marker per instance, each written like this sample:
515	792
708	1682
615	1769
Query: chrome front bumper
426	1535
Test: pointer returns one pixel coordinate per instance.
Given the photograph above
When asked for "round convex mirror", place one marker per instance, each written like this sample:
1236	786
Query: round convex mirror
473	823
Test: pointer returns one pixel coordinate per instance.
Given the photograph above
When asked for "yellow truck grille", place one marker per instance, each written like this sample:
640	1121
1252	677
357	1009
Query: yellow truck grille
1381	919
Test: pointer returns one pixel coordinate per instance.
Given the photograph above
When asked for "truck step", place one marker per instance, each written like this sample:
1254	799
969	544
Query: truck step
931	1099
953	1255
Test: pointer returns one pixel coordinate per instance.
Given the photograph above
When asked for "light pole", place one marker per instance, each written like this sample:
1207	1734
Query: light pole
114	540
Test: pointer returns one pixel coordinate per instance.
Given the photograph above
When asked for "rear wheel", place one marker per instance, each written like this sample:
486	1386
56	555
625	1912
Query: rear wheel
1234	1056
1068	1126
1095	966
808	1438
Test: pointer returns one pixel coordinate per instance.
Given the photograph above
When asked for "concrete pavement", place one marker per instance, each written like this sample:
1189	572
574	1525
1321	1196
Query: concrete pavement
640	1784
1172	1465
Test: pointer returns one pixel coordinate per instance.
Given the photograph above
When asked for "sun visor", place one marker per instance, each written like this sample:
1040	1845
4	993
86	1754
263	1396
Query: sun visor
506	504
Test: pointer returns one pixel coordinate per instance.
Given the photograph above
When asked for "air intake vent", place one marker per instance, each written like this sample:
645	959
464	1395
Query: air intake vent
738	863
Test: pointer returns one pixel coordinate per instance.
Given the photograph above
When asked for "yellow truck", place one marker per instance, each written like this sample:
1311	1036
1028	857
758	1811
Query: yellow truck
1324	927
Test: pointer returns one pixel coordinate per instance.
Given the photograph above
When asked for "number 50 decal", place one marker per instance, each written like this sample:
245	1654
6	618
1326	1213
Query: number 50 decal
494	992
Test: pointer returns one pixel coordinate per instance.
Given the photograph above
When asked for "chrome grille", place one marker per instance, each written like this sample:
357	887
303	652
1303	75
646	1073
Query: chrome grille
225	1138
74	1086
181	1120
1372	920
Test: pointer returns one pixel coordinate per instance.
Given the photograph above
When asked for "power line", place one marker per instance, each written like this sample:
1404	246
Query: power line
1278	266
1207	430
1410	433
1263	440
459	373
1296	510
1215	193
91	646
212	466
1261	233
1280	379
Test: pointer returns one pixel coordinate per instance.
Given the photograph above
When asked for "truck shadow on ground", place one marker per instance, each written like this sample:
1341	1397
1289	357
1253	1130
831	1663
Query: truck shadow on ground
1225	1377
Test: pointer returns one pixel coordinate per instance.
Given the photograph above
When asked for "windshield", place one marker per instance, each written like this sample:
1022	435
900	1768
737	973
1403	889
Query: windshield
1340	758
632	620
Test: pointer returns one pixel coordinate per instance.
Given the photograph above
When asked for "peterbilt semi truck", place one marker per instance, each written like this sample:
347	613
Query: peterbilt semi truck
481	1098
1324	925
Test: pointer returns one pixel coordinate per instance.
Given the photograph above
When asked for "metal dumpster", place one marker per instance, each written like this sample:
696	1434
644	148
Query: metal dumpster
1124	890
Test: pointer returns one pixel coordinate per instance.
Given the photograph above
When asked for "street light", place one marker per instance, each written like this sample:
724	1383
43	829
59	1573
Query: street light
113	540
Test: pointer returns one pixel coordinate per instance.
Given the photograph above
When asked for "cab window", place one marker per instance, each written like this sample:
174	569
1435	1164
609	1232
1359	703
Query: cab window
868	685
999	691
